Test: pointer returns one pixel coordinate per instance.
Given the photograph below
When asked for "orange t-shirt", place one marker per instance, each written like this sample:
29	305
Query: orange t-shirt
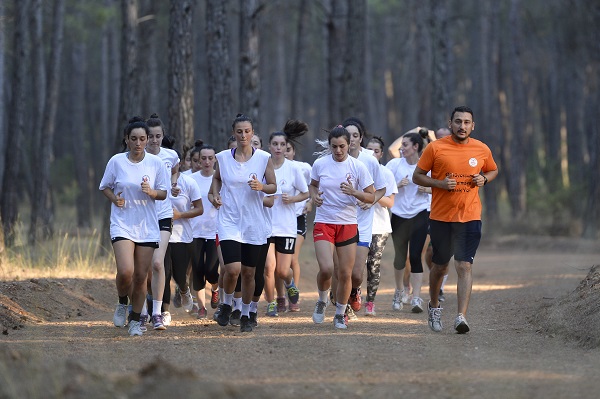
444	158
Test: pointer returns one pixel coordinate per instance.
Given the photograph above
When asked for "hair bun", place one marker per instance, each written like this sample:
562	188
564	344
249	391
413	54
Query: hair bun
154	116
136	119
198	143
238	115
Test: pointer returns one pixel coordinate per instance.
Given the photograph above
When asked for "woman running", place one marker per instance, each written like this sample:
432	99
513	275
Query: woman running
133	181
236	191
337	181
410	218
283	222
381	227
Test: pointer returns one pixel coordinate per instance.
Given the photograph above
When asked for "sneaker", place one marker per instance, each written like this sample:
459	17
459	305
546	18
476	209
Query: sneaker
143	320
370	309
177	298
319	313
293	307
235	317
281	308
253	319
134	328
293	293
272	309
224	313
245	325
355	300
195	309
216	314
397	301
166	318
201	314
158	321
350	315
406	297
441	297
460	324
120	316
339	322
435	318
417	305
214	299
187	301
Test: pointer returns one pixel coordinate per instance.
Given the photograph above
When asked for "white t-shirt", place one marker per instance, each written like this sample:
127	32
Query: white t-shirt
241	217
381	215
290	180
205	225
170	158
365	217
137	219
337	207
409	201
305	168
182	228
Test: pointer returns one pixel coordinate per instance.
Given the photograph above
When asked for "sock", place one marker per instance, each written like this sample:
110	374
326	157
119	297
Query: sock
444	282
245	309
228	299
156	306
290	284
323	295
134	316
237	303
254	307
123	300
340	308
144	309
221	293
353	291
406	290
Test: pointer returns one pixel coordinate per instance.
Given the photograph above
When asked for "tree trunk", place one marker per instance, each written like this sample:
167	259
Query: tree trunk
181	71
354	79
11	190
249	96
336	44
439	40
299	55
148	41
2	100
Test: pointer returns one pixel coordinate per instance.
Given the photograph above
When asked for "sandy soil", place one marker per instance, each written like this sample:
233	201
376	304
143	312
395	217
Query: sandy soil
58	340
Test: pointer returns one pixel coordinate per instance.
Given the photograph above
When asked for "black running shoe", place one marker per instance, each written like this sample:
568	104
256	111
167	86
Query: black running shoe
225	312
245	325
253	319
235	317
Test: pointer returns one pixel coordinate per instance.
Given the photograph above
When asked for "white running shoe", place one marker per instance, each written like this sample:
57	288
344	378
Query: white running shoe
134	328
397	301
350	313
166	319
417	305
319	313
187	301
406	297
435	318
120	316
339	322
460	324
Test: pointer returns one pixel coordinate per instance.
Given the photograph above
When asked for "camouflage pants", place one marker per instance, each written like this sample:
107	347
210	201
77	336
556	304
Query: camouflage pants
373	264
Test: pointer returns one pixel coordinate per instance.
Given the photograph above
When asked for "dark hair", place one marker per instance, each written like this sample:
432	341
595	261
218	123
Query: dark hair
197	149
292	130
241	118
168	141
137	122
230	140
415	138
362	130
338	131
377	139
155	121
462	108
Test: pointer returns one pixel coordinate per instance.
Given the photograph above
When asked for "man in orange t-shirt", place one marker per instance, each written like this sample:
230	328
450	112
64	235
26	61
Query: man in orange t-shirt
459	166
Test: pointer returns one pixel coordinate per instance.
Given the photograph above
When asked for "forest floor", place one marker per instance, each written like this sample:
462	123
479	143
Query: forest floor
58	339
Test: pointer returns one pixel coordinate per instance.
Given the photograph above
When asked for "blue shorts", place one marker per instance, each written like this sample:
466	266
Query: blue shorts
460	240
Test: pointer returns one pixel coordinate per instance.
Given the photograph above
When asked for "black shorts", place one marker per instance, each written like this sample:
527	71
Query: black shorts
460	240
166	224
233	251
301	227
284	245
139	244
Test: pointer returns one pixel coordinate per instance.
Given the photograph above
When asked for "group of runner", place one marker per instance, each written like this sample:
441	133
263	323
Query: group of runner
236	220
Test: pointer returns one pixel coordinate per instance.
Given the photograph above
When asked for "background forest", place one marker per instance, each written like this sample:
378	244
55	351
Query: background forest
73	71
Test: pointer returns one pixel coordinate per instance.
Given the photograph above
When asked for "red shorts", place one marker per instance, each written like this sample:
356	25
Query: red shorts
338	234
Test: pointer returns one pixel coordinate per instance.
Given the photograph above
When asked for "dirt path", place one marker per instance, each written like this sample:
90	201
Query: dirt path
74	350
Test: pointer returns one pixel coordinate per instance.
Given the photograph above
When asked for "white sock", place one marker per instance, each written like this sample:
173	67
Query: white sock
156	305
144	309
254	307
221	293
323	295
228	299
444	282
245	309
340	308
237	303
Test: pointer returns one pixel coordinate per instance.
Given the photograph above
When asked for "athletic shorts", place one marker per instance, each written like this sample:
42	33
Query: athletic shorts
139	244
338	234
284	245
166	224
234	251
301	227
460	240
